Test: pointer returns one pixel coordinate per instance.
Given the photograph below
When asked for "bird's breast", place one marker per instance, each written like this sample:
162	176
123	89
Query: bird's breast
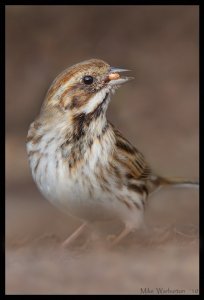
66	174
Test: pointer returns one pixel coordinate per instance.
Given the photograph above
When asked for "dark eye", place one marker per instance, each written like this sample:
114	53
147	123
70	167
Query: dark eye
88	79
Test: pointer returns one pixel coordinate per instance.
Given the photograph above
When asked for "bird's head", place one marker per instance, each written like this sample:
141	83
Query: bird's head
84	88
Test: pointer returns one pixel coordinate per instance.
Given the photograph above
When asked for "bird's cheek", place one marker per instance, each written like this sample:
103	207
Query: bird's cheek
74	102
65	102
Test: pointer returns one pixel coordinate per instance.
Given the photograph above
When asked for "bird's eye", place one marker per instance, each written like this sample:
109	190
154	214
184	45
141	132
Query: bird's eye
88	79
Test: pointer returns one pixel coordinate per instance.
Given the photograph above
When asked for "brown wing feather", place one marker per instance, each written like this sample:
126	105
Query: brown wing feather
131	158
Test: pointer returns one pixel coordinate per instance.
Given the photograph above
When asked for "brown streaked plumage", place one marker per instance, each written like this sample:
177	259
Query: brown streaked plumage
81	162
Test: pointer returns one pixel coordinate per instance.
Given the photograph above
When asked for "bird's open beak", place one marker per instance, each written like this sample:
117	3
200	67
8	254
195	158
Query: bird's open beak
114	78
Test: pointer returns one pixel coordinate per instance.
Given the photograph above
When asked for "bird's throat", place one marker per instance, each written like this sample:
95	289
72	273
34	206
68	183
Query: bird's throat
92	123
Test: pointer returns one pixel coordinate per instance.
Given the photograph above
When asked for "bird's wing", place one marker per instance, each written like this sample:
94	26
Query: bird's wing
132	160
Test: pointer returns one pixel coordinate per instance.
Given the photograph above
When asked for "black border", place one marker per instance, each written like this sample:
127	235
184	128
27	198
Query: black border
3	58
2	110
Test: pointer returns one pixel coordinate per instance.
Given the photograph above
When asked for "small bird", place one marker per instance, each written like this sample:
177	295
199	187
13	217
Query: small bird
80	162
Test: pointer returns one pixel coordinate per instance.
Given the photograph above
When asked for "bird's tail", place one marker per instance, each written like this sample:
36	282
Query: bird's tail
178	182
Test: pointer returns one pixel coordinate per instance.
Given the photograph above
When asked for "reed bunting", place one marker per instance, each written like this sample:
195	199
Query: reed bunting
80	162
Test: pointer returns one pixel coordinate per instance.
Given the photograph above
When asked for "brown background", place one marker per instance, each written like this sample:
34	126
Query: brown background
157	112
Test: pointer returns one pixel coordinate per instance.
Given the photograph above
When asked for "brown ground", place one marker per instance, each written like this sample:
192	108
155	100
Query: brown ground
158	112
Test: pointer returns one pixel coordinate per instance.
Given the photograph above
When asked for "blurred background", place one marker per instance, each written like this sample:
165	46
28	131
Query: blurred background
157	112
